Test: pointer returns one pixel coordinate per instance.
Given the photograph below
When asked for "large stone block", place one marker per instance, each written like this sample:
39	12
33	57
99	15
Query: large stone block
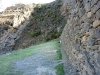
89	14
96	23
93	2
81	12
87	7
86	19
90	41
86	26
97	33
98	14
96	7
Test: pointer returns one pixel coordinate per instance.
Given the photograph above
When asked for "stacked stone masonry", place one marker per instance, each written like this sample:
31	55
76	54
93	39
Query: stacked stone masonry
81	35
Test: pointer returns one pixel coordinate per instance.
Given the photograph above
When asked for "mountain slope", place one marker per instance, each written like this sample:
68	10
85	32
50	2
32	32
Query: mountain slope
46	24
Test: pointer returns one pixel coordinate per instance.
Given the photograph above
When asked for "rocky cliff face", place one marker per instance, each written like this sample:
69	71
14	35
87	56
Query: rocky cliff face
11	25
81	35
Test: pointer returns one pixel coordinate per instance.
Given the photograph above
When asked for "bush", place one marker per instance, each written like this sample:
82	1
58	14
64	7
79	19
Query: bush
54	36
51	36
36	16
41	6
36	33
60	4
30	24
58	19
47	39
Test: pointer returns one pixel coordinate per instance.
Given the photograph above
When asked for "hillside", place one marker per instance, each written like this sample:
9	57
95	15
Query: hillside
31	24
46	24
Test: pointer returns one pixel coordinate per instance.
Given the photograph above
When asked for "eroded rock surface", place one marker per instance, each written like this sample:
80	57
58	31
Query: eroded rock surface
12	23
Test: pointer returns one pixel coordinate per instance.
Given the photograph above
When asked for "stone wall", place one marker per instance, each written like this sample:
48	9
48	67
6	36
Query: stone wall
81	35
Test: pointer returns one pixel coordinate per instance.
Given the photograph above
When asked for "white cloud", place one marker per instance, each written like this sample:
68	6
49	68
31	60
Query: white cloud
6	3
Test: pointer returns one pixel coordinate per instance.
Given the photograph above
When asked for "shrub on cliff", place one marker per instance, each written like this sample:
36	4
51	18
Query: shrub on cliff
52	36
41	6
36	33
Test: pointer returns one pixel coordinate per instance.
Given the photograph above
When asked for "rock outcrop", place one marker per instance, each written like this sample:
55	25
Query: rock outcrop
81	35
15	22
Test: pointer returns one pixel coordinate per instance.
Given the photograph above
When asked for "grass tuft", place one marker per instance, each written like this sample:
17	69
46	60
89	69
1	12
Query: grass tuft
36	33
59	55
59	69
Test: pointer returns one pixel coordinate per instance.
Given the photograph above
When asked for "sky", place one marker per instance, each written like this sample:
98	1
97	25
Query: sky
6	3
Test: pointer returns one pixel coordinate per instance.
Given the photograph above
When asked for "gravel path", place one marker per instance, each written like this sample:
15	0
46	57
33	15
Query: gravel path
43	62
